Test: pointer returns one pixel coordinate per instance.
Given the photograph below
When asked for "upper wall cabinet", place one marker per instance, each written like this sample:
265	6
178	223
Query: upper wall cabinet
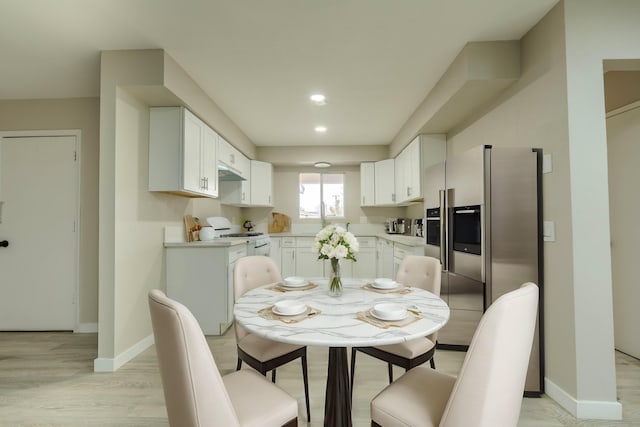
384	183
230	157
422	152
367	184
182	153
261	183
235	175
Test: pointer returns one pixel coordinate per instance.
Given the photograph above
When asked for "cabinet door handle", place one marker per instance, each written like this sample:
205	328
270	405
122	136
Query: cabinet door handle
408	191
363	200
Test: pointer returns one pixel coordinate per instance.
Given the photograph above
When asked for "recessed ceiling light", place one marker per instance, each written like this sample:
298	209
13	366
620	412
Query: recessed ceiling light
321	129
322	164
318	99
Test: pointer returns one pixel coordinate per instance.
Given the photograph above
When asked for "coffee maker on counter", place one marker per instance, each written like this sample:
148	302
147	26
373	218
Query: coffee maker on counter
399	226
418	227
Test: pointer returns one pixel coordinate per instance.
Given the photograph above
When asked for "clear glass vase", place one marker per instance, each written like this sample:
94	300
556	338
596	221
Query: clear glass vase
335	281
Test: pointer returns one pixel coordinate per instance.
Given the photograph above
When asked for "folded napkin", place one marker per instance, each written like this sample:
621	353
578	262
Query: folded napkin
267	313
280	287
401	289
366	316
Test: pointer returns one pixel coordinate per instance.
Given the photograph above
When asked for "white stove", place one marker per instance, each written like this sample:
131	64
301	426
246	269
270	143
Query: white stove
257	243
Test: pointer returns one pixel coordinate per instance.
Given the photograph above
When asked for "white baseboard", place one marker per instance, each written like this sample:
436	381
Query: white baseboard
86	328
104	364
583	409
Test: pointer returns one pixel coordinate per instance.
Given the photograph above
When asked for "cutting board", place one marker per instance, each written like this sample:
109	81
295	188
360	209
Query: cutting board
280	223
190	227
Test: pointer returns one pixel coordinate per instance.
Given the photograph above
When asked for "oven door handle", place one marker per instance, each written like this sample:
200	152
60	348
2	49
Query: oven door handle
262	245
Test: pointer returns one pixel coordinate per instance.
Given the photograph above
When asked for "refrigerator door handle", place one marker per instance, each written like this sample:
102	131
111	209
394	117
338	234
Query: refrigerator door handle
444	258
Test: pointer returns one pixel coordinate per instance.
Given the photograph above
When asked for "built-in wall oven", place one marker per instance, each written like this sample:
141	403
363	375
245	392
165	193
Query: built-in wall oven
467	229
433	226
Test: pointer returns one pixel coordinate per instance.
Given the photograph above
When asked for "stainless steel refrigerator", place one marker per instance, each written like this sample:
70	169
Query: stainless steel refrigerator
484	222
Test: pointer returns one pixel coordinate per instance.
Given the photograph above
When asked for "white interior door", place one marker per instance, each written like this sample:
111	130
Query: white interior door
623	141
38	219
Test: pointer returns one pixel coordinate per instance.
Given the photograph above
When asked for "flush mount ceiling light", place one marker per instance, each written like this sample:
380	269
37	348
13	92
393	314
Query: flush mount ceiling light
318	99
321	129
322	164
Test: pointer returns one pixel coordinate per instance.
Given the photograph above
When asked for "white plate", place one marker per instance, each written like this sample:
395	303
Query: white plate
294	282
288	308
384	284
389	311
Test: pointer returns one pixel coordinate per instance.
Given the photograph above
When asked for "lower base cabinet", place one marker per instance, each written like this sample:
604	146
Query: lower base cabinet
202	279
365	266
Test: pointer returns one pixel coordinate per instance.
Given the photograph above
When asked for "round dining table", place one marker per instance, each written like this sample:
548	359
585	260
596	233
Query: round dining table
339	322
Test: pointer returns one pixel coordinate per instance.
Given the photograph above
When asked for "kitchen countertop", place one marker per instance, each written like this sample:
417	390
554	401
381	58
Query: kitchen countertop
404	240
215	243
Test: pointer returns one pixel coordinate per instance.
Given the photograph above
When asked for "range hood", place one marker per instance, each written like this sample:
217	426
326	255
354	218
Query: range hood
228	173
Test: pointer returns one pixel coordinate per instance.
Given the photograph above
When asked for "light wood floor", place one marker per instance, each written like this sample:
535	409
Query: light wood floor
47	379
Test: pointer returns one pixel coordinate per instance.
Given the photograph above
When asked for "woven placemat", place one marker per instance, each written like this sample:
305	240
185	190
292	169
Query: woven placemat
267	313
366	316
280	287
402	289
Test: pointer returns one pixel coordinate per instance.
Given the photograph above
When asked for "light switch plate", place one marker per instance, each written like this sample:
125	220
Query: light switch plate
549	231
547	164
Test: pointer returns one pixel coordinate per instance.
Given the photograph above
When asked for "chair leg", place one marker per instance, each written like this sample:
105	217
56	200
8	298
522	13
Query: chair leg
273	375
390	368
305	380
353	368
432	363
239	364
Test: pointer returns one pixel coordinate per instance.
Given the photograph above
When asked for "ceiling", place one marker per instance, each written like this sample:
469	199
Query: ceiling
260	60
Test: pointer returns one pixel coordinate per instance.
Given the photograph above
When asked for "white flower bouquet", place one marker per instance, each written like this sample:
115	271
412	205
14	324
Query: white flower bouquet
335	243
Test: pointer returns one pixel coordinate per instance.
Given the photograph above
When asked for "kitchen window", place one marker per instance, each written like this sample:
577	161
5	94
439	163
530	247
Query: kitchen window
321	195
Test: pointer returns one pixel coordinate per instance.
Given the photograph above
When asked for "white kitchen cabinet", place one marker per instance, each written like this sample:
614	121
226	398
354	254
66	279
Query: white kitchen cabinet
422	152
261	183
365	266
201	278
182	153
236	192
276	252
400	252
367	184
232	158
288	256
384	182
307	262
385	259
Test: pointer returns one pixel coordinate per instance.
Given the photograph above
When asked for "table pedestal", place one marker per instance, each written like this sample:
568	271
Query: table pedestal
337	404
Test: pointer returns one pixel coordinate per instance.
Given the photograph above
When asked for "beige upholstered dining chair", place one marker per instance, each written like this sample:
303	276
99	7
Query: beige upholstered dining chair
195	393
489	388
420	272
260	353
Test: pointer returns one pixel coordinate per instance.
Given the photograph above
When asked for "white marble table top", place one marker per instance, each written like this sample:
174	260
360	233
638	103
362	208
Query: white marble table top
336	325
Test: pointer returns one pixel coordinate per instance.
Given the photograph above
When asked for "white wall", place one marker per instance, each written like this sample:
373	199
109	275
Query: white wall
623	141
595	30
132	218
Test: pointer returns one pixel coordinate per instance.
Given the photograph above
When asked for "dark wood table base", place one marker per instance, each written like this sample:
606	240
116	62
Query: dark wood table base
337	404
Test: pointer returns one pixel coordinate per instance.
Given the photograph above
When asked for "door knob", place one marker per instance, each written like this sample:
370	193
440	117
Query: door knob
4	244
